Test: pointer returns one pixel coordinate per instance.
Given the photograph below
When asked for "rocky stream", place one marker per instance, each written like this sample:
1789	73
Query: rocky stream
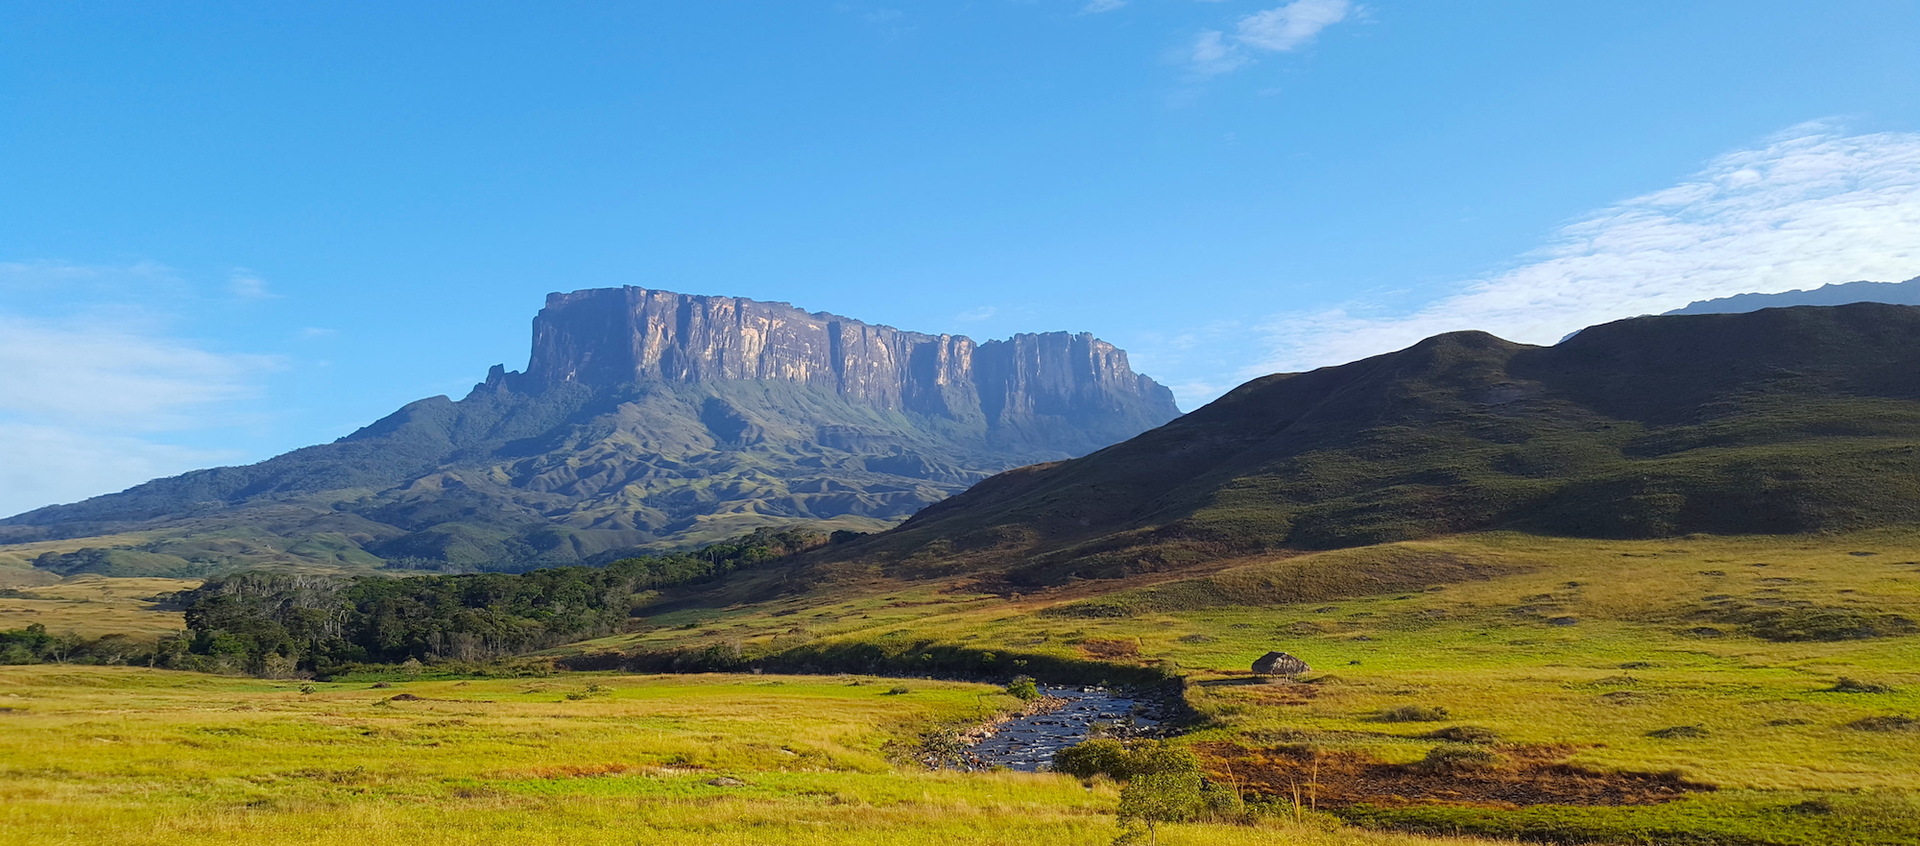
1063	717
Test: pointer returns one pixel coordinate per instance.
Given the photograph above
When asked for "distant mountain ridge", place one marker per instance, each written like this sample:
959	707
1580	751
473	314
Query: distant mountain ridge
1784	420
1840	293
645	418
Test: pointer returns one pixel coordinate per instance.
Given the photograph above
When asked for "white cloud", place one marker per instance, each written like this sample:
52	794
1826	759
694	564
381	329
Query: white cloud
247	285
1291	26
1808	207
85	374
1212	54
1277	30
88	397
1095	7
975	315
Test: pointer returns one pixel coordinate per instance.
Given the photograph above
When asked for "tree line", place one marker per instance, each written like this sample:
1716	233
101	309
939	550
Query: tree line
279	624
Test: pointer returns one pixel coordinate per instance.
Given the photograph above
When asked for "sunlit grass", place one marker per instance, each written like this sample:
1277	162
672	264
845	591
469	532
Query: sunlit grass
96	605
92	755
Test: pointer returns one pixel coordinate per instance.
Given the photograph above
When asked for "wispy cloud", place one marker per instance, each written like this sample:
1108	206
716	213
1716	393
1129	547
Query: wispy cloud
87	398
1095	7
1810	206
975	315
84	373
247	285
1277	30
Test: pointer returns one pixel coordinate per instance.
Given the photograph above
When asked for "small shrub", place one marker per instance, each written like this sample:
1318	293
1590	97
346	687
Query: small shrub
1460	759
1466	734
1413	714
592	691
1678	732
1089	758
1885	723
1023	688
1850	685
1219	803
898	690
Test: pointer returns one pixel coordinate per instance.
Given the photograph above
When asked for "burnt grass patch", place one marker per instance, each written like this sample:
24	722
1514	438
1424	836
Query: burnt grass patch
1513	777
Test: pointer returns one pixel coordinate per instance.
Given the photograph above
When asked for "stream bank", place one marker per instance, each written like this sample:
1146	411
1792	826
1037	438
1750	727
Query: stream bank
1066	715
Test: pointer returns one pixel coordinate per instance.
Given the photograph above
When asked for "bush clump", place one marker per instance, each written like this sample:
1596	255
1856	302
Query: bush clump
1466	734
1123	761
1460	758
1851	685
1413	714
1888	722
1023	688
1678	732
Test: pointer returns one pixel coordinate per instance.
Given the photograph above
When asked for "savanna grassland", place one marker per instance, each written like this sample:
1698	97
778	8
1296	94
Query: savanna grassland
92	755
93	606
1713	690
1744	690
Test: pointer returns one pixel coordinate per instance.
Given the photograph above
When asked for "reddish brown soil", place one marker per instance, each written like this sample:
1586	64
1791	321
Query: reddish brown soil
1531	775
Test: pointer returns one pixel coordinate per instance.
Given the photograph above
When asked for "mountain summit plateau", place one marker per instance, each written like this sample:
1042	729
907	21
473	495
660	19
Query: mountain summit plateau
645	418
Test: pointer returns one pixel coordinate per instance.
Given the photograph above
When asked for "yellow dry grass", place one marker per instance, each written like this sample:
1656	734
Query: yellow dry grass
114	755
96	605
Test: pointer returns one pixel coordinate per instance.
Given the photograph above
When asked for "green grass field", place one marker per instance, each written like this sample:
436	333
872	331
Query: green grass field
1760	690
1714	660
97	755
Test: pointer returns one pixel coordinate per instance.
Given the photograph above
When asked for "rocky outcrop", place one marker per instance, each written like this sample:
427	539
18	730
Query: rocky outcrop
648	418
1028	384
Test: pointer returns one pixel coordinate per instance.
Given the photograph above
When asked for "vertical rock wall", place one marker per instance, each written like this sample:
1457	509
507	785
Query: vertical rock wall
1078	384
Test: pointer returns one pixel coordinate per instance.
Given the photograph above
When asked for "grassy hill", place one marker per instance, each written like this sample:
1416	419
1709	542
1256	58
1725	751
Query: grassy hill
1780	421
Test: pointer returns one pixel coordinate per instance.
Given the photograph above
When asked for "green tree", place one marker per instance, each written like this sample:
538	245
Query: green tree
1153	798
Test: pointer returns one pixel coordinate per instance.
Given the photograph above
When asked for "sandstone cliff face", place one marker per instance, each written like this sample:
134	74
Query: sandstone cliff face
650	418
610	336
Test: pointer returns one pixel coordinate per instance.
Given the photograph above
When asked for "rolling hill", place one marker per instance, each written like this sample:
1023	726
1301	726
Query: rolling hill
1778	421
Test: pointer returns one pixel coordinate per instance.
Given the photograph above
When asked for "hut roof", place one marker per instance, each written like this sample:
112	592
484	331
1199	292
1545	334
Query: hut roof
1279	664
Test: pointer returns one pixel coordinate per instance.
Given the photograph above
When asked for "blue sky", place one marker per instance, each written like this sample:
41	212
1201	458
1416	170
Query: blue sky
231	229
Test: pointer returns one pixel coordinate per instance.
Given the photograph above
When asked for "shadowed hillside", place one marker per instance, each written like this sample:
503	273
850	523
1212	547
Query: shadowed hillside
1778	421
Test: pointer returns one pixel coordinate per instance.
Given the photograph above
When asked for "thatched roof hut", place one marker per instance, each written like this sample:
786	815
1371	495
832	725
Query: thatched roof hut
1279	664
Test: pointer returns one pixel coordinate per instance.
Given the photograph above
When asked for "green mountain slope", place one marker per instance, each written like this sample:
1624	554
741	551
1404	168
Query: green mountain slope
1778	421
645	419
